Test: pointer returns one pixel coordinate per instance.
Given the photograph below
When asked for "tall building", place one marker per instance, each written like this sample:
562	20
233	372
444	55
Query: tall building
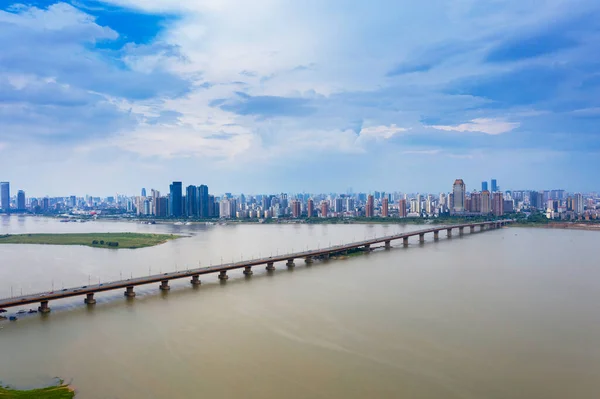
476	202
385	207
296	209
5	196
419	204
370	207
338	205
21	200
175	199
191	201
143	192
350	204
498	204
429	204
310	207
224	209
484	186
203	202
485	202
213	209
578	203
266	202
324	209
161	207
459	193
402	208
494	186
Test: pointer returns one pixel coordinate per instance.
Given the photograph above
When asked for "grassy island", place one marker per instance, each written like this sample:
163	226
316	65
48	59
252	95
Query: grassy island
96	240
61	391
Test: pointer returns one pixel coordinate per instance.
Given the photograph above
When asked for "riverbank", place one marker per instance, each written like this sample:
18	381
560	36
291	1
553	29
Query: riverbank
565	226
61	391
95	240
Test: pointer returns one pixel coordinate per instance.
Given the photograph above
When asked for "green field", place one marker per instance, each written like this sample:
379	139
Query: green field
96	240
57	392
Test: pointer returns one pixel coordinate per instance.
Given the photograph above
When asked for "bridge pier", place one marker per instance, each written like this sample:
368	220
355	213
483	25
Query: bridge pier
472	229
89	299
270	266
449	232
388	244
461	231
248	271
421	238
405	241
129	292
308	260
164	285
498	225
368	247
195	280
223	275
436	235
43	308
290	263
481	227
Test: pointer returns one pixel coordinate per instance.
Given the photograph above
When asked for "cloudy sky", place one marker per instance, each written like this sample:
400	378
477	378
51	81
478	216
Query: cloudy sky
285	95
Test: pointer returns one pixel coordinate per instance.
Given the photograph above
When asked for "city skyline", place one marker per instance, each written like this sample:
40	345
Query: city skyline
289	97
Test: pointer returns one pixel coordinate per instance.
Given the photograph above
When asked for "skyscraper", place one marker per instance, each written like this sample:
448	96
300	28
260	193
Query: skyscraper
402	208
459	192
175	200
143	192
385	207
5	196
191	199
296	210
498	204
485	202
324	209
310	207
350	204
203	202
578	203
370	207
21	200
338	205
484	186
494	186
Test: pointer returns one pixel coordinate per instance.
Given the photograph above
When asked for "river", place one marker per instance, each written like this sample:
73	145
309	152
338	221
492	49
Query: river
507	313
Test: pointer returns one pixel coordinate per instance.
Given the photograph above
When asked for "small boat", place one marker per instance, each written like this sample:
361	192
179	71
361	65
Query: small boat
21	311
13	318
178	223
32	311
188	224
3	311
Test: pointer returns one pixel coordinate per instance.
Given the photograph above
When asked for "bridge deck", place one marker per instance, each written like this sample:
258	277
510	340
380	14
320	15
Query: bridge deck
91	289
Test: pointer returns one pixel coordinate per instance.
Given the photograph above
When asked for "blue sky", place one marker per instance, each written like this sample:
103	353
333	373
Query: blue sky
110	96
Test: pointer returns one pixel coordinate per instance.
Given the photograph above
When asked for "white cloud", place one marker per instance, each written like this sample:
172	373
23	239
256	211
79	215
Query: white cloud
381	132
482	125
421	152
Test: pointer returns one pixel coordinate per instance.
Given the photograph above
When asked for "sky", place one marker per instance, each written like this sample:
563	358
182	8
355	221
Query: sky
109	96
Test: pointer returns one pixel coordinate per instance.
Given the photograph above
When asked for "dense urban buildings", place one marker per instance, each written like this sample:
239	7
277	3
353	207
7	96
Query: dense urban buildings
5	196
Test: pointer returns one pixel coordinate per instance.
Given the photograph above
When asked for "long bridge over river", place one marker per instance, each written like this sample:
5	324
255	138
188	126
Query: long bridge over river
308	256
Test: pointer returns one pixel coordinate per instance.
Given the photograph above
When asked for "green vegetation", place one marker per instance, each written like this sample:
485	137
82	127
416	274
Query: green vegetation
61	391
96	240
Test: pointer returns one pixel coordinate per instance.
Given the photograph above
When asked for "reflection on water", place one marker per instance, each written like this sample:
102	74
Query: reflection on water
510	313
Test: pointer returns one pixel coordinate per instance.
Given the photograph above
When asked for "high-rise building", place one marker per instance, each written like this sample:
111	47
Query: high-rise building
175	199
338	205
224	209
143	192
161	207
310	207
213	209
350	204
370	207
459	193
324	209
578	203
266	202
475	202
402	208
419	204
191	201
296	209
46	204
494	186
385	207
485	202
498	204
21	200
203	202
73	201
429	204
5	196
484	186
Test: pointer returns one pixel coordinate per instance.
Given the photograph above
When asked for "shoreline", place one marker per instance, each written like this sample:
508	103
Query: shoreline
124	240
58	391
560	226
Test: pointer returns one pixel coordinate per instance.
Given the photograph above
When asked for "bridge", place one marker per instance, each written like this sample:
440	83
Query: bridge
308	256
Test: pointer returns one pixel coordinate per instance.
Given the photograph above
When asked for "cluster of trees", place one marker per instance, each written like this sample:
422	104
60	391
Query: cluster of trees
109	243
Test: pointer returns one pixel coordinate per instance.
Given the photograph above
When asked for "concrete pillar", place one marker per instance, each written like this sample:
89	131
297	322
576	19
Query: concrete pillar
481	227
89	299
129	292
270	266
164	285
405	241
461	231
388	244
290	263
368	247
43	308
472	229
248	271
421	238
308	260
449	232
195	280
436	235
223	275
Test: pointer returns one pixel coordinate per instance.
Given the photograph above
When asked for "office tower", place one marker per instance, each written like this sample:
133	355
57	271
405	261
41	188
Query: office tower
191	201
310	207
266	202
73	201
475	202
338	204
203	202
146	206
324	209
484	186
175	199
494	186
485	202
46	204
143	192
578	203
419	204
155	194
350	204
509	206
370	206
429	204
5	196
385	207
160	208
498	204
458	195
224	209
296	209
21	200
402	208
212	208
